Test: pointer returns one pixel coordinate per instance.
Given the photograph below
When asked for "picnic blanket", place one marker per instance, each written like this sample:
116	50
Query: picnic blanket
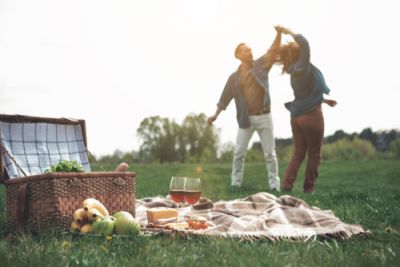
261	215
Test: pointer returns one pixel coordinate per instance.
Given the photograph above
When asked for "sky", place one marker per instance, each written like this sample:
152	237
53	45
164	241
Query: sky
115	63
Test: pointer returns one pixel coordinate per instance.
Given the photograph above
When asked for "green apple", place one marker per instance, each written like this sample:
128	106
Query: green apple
104	226
125	223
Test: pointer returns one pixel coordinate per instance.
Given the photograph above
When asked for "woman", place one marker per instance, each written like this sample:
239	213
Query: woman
307	120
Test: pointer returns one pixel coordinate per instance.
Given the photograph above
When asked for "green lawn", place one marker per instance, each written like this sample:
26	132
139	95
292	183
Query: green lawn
362	192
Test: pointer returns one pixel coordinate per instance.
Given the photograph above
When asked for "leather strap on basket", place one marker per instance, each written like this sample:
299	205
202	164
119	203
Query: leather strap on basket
15	162
21	207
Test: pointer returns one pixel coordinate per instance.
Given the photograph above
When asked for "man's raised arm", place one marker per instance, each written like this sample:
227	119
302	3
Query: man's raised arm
272	52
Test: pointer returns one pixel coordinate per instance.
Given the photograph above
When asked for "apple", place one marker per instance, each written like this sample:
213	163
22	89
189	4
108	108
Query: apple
125	223
104	226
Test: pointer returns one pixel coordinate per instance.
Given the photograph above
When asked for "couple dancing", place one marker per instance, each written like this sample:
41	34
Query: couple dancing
249	87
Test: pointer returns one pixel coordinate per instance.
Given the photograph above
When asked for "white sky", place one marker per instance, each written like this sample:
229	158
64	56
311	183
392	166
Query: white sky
114	63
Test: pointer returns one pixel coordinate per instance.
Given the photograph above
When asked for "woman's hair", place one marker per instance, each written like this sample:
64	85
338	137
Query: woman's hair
288	54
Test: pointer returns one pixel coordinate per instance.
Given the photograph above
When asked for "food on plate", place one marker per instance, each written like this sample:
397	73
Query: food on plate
177	226
197	222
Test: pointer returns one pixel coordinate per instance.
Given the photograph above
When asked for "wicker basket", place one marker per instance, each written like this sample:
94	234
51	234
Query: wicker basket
46	202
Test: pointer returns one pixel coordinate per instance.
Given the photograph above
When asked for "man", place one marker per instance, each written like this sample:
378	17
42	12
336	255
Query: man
248	85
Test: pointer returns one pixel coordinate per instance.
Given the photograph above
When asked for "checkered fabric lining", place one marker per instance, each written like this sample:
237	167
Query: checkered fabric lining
34	147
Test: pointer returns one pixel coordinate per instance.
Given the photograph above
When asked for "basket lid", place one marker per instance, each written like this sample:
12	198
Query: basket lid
30	145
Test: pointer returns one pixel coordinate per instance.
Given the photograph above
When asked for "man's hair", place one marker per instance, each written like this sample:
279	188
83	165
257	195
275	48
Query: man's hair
237	50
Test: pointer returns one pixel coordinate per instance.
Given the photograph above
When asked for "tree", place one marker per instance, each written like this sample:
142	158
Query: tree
159	139
166	141
395	148
339	134
368	134
200	138
226	152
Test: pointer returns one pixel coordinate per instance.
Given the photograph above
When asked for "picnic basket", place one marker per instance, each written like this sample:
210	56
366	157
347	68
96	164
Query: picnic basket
38	202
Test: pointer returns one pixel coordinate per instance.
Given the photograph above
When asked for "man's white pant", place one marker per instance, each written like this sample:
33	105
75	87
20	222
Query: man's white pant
264	127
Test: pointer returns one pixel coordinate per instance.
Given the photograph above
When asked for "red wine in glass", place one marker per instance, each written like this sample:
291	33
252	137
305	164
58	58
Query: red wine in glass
192	190
192	196
176	189
178	196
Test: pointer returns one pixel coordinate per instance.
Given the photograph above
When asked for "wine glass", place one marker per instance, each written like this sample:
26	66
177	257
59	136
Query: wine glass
192	190
176	189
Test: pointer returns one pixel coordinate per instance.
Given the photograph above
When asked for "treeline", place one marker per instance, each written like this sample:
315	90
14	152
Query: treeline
367	144
164	140
381	140
341	145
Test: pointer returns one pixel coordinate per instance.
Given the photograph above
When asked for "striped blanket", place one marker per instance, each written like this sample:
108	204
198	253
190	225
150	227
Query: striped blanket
261	215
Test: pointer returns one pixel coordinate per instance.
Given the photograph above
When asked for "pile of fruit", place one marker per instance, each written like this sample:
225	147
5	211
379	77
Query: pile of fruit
94	218
66	166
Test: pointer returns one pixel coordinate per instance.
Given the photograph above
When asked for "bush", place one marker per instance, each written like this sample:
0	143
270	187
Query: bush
226	152
394	150
349	149
284	153
254	155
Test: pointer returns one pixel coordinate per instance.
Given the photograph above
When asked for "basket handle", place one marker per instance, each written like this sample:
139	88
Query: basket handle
90	154
21	207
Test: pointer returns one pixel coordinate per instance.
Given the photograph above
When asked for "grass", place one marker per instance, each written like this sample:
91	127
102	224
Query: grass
362	192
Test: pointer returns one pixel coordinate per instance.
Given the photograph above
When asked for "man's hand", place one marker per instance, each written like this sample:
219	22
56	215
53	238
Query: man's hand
287	31
283	29
211	119
279	28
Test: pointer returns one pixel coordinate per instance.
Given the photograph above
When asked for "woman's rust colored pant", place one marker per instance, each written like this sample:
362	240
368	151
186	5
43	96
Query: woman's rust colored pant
308	135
